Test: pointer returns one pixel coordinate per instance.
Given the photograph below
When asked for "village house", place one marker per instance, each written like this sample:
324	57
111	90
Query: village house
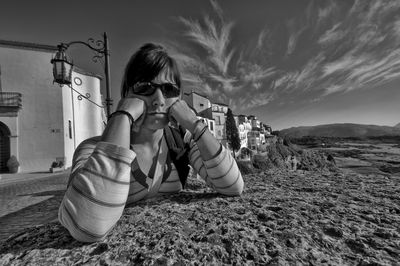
202	105
41	122
252	132
244	126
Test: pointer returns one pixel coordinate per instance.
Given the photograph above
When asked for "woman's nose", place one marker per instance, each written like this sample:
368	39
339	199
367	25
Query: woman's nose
158	98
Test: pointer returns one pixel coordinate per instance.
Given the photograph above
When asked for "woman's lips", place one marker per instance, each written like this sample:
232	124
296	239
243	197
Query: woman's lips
157	114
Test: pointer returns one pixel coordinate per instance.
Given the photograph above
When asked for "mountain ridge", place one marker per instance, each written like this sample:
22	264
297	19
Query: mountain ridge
340	130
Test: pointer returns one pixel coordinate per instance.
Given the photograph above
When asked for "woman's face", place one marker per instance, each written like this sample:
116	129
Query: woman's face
157	104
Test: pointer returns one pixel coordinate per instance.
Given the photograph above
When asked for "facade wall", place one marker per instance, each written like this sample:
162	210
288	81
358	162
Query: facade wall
219	108
38	138
210	123
220	126
244	129
253	140
39	133
255	123
82	119
200	103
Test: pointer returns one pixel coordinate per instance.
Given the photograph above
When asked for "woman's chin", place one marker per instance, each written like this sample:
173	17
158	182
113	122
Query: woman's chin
156	123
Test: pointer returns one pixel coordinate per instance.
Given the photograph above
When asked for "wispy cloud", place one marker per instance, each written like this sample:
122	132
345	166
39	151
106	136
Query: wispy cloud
333	89
347	48
213	39
332	35
262	38
295	32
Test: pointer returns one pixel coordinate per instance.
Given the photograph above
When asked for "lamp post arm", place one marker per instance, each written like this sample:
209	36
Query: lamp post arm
100	49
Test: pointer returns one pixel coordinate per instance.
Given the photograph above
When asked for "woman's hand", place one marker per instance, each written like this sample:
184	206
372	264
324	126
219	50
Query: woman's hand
181	113
136	107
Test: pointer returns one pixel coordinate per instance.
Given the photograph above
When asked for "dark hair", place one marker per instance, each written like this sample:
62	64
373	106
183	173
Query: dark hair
146	64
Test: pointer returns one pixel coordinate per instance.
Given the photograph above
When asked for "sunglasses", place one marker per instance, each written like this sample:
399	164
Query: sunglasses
169	90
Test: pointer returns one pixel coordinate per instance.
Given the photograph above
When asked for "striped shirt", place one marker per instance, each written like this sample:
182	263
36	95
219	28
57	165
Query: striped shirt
105	177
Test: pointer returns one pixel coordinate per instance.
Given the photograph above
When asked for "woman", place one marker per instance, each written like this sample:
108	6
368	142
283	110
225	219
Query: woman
131	160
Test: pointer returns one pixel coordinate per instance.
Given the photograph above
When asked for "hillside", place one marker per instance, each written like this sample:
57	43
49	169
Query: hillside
397	126
340	130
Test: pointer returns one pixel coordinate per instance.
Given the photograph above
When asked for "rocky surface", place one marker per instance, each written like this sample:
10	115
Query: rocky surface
282	218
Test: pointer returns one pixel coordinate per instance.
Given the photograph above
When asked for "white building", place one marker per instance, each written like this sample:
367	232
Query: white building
41	122
219	111
202	105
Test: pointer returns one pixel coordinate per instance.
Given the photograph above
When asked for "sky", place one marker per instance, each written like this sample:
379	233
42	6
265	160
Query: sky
289	62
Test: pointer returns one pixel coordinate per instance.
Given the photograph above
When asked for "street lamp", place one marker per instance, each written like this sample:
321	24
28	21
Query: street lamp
62	68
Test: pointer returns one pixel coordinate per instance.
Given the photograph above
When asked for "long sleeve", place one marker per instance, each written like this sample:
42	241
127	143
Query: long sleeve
97	189
220	172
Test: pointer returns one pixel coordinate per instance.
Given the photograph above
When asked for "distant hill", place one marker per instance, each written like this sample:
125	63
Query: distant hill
340	130
397	126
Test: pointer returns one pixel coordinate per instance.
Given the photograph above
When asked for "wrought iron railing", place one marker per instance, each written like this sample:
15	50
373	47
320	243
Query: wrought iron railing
10	99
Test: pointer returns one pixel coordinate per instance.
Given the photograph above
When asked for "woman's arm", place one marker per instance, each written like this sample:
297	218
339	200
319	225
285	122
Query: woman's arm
219	171
207	156
99	183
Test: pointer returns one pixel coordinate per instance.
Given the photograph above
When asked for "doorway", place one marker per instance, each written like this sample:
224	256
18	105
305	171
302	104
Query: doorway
4	147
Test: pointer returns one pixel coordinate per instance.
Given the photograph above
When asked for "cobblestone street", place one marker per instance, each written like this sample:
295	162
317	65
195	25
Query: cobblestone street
29	200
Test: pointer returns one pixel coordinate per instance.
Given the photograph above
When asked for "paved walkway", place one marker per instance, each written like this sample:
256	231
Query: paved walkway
29	199
23	177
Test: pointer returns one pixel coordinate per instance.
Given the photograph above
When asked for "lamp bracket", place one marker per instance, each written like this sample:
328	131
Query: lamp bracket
95	45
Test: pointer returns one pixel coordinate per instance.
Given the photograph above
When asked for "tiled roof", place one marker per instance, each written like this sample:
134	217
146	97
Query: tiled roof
221	104
195	92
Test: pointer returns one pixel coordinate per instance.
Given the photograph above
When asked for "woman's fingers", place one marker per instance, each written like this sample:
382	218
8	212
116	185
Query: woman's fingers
135	106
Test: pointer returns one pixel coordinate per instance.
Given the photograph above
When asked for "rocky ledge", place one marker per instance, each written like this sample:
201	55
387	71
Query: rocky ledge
282	218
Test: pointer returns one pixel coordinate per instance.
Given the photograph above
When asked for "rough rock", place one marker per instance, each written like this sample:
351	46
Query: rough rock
282	218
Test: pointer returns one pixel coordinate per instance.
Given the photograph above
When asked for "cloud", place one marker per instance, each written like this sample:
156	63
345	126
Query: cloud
396	28
346	50
212	39
224	82
332	35
333	89
341	65
324	13
260	100
261	38
310	72
294	34
378	70
252	72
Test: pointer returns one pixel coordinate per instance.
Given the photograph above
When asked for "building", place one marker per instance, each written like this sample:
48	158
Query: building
244	126
41	122
197	101
254	140
219	111
220	107
202	105
255	123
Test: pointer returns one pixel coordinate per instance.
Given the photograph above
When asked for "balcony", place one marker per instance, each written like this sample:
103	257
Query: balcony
10	102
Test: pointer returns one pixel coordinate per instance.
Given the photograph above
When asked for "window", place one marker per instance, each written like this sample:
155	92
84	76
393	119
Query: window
201	105
218	120
70	129
211	126
219	133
